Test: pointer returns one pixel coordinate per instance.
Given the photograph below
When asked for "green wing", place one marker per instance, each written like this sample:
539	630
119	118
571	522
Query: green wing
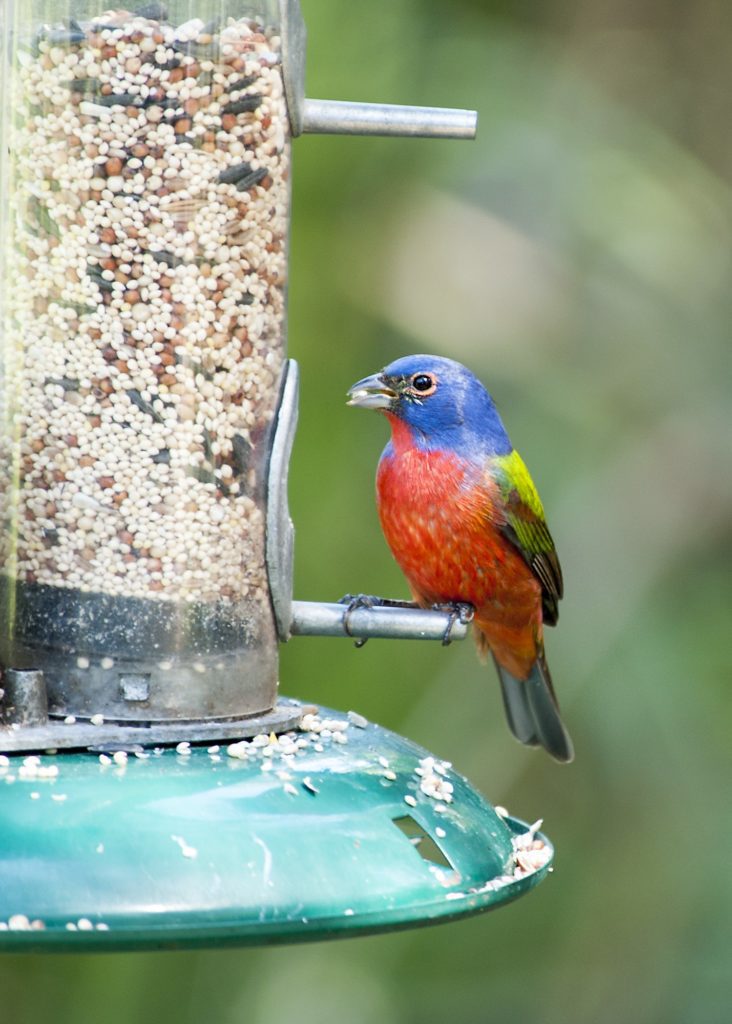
525	526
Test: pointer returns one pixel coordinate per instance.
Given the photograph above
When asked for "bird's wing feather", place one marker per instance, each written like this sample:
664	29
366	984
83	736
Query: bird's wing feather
524	525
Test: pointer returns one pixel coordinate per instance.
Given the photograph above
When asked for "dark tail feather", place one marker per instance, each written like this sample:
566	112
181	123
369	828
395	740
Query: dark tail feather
518	713
532	711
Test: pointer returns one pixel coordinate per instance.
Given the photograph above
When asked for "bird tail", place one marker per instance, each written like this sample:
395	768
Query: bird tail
533	712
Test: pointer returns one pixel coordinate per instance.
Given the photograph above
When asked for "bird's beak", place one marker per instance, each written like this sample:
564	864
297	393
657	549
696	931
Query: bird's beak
372	393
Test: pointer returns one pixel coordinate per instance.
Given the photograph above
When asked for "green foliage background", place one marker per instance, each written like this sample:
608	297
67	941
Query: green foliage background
577	257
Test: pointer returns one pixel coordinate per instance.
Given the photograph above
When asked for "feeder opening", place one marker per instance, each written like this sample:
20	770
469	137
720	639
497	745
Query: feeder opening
422	841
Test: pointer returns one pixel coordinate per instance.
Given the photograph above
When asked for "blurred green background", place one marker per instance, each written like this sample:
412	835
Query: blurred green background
577	257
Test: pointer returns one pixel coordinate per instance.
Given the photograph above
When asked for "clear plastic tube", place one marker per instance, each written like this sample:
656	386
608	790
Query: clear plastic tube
145	208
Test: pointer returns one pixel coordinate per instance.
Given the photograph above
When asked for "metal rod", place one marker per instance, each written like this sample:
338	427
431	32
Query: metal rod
313	618
346	118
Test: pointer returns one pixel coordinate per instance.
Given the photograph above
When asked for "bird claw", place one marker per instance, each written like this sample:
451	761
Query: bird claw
458	611
355	601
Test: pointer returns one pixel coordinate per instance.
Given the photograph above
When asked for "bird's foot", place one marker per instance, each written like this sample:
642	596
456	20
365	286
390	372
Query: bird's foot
458	611
355	601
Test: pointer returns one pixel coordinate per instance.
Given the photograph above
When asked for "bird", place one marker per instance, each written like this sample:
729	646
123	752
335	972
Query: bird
465	524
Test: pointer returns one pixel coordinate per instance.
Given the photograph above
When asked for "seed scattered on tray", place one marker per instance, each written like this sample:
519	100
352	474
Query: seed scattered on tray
34	768
431	775
188	851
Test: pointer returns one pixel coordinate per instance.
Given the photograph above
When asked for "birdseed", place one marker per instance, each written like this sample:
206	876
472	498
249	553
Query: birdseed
144	305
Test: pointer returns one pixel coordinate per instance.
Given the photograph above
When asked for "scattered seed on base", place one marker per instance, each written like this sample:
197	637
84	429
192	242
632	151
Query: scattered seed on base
188	851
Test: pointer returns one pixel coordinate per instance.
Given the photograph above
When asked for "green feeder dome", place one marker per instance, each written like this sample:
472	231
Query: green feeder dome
338	827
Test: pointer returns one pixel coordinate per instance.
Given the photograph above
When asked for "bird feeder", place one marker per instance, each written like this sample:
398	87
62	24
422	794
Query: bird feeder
147	413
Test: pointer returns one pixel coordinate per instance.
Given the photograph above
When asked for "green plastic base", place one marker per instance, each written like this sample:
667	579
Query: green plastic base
345	828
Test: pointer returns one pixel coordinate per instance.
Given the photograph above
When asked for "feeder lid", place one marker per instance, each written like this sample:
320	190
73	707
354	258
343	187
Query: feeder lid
340	828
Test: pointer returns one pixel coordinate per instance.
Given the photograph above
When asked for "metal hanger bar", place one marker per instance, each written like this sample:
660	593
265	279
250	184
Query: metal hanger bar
343	117
313	618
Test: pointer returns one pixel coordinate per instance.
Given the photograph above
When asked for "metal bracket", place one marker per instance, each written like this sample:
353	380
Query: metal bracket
280	540
340	117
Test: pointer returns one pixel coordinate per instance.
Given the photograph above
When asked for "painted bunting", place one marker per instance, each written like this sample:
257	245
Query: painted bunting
466	525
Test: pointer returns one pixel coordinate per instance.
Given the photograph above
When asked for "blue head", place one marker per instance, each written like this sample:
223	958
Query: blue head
443	404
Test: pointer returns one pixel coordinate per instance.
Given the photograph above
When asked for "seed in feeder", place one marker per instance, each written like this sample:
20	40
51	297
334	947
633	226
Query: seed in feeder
409	799
97	719
244	105
241	83
82	662
113	166
231	175
137	95
254	178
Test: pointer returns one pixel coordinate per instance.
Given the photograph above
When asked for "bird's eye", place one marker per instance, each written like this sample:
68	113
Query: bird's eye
423	383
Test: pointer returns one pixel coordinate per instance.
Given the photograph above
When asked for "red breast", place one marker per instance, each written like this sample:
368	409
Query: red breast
437	512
